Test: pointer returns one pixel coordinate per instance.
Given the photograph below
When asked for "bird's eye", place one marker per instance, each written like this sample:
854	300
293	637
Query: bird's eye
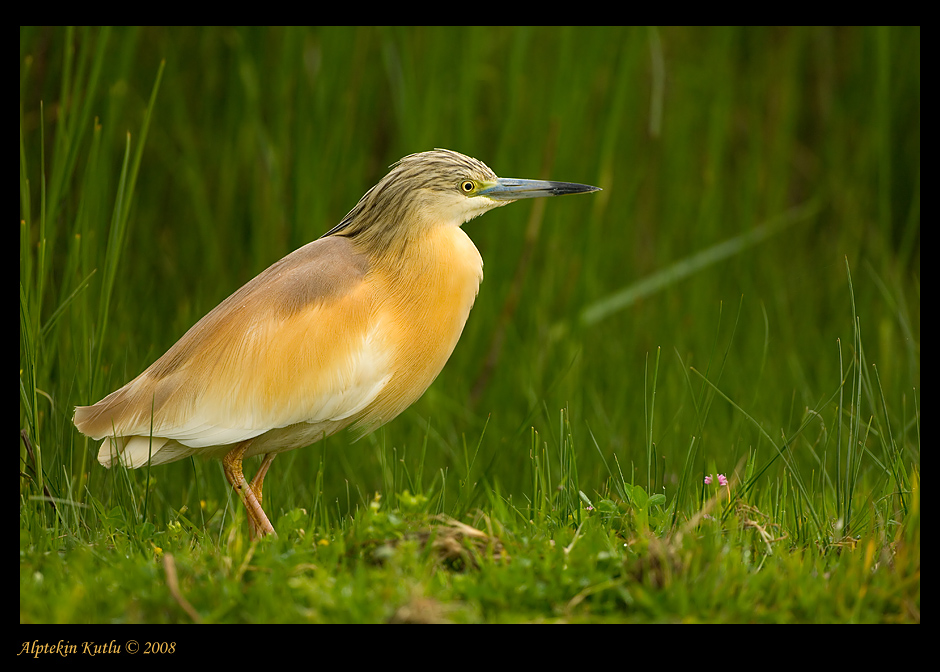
466	186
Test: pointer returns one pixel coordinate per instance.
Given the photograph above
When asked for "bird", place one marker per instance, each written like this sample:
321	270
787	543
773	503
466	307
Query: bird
347	331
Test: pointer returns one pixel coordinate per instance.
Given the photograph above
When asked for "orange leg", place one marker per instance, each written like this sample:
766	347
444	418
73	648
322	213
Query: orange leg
257	482
250	494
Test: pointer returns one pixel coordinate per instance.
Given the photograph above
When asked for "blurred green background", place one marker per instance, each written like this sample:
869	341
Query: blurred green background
798	147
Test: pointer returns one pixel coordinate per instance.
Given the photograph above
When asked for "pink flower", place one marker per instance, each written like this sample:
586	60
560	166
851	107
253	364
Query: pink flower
722	480
708	480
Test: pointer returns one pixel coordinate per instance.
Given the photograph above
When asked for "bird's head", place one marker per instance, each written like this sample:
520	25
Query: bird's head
439	188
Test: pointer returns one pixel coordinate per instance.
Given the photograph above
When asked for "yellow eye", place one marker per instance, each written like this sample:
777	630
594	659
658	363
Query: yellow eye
467	186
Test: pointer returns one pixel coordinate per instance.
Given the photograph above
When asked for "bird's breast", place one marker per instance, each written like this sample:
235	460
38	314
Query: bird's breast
421	305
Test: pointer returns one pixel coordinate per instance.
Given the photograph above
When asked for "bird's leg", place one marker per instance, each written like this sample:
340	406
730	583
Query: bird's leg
258	522
255	531
258	480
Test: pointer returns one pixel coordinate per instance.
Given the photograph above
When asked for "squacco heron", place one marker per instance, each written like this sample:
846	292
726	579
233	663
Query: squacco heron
348	330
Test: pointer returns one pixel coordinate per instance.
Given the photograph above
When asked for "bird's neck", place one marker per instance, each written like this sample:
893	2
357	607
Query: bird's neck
436	256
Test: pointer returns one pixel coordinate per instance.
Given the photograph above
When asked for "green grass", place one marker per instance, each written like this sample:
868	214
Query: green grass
743	298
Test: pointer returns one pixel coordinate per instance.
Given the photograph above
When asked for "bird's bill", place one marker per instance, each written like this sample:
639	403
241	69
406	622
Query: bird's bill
514	189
